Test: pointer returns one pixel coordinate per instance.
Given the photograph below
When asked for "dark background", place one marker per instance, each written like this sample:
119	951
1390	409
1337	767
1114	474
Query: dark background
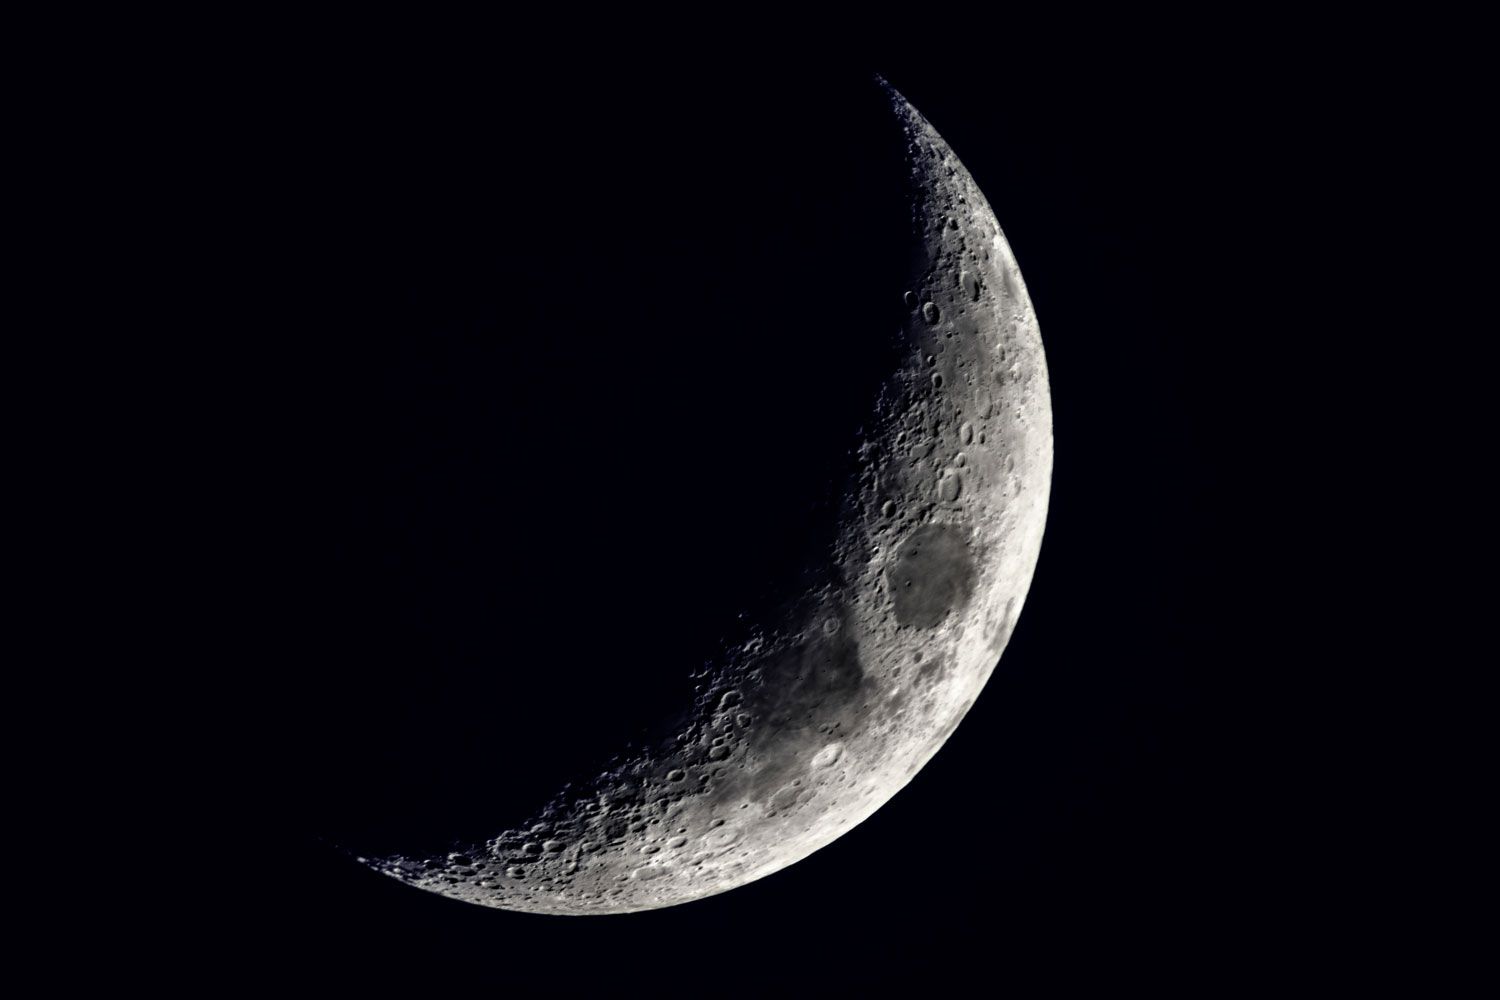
556	358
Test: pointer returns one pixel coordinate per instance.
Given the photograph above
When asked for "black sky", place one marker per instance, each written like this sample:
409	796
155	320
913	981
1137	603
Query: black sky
556	356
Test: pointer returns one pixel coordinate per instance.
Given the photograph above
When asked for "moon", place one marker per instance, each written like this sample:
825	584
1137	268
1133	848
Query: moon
801	731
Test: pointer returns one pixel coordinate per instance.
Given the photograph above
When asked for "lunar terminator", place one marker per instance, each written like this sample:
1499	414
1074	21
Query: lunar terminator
803	729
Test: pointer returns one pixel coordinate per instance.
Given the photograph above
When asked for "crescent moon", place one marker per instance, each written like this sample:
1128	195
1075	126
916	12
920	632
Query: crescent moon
803	730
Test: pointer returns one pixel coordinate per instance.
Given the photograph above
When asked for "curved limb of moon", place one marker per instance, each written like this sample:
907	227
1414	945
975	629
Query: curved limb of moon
802	730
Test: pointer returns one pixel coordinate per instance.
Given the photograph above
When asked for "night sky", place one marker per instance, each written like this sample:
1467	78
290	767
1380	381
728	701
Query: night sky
555	360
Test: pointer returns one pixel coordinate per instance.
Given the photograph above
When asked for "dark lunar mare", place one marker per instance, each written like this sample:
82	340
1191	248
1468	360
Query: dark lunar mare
932	574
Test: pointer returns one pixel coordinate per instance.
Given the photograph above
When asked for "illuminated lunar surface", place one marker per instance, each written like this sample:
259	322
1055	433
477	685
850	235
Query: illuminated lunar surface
802	731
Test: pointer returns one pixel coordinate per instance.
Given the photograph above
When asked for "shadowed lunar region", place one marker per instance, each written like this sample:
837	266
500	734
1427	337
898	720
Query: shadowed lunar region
829	707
